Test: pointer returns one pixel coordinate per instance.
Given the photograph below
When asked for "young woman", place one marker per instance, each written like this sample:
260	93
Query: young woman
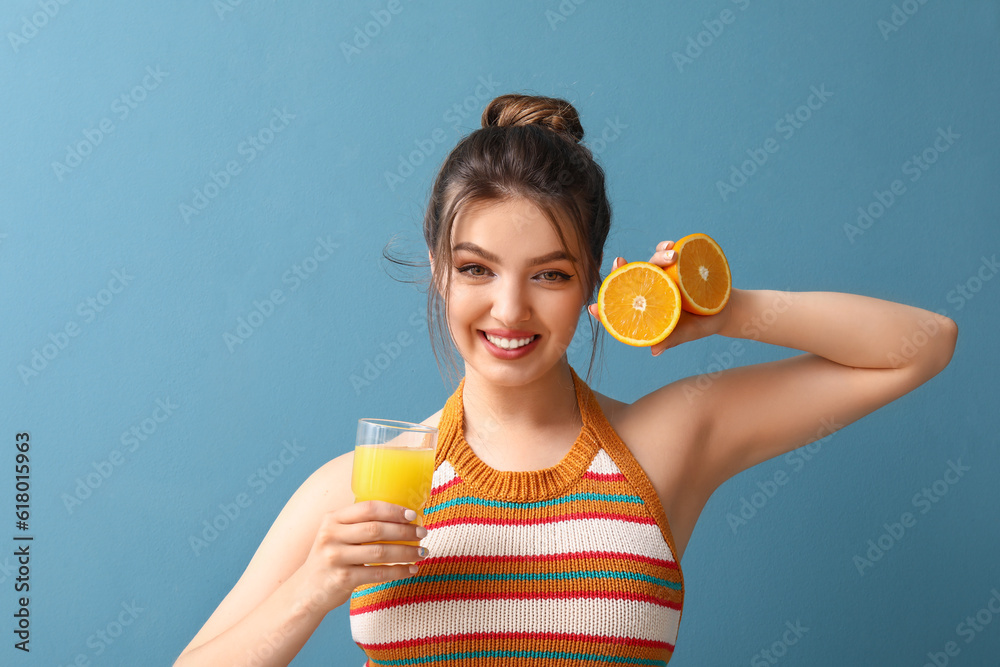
559	516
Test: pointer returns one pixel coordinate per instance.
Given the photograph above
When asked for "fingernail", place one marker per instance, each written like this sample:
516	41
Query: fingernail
656	354
669	254
414	569
422	551
421	532
409	515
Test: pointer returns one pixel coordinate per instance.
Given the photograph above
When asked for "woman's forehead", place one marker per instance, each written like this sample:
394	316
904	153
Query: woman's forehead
511	227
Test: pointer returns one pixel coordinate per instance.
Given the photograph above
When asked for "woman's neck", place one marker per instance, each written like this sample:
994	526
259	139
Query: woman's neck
525	427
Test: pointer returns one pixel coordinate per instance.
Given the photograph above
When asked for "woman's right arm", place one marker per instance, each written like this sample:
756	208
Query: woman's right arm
308	563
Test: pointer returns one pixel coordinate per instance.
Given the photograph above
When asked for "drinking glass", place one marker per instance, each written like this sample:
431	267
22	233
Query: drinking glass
394	462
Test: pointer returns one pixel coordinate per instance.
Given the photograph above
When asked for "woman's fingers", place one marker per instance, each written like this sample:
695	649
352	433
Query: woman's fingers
365	532
376	510
380	531
380	553
664	255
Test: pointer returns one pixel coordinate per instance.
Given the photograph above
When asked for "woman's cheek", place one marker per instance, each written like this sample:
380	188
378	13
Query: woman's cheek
564	322
462	311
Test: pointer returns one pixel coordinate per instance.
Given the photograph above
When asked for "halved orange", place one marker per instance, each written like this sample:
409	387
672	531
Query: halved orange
639	304
702	274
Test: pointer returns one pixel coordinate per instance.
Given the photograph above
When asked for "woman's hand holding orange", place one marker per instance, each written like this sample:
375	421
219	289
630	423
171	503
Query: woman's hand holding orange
689	326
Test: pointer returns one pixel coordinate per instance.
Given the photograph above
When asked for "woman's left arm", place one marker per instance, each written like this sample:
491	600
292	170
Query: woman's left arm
862	354
849	329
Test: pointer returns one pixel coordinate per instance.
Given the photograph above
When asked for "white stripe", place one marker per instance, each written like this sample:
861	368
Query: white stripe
444	474
548	538
603	464
616	618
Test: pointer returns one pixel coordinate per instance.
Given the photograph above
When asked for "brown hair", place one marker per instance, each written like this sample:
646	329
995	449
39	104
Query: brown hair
528	147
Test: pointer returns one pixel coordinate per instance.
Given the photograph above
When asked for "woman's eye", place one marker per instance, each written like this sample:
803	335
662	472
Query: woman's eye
473	270
477	271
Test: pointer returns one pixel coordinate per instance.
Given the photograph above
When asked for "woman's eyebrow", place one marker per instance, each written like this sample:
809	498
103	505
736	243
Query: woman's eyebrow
490	257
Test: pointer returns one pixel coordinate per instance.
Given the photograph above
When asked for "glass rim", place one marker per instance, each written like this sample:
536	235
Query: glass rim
397	424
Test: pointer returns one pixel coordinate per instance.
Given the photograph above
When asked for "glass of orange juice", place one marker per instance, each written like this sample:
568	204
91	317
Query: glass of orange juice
394	462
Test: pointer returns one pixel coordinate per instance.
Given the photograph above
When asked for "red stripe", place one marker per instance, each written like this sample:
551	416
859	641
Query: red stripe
574	555
489	636
543	520
447	485
560	595
605	476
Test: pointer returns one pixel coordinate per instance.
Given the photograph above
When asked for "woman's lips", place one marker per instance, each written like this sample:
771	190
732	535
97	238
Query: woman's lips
516	353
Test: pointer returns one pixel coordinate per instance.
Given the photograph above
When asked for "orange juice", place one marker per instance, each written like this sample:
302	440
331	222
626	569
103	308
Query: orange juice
397	475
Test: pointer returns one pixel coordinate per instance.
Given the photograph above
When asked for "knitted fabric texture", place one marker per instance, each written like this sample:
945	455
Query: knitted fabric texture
563	567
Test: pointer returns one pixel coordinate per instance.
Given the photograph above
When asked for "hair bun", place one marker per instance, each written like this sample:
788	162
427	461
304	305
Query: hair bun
550	112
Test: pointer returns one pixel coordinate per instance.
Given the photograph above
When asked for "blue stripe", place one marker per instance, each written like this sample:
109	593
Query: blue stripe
483	502
522	576
537	655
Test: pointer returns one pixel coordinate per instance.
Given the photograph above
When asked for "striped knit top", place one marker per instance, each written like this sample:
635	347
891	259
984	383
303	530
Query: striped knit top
563	567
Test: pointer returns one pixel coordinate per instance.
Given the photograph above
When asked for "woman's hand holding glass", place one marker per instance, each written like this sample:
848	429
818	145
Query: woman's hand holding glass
376	539
354	536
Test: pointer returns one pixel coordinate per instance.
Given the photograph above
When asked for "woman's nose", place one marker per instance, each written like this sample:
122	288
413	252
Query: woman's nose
510	303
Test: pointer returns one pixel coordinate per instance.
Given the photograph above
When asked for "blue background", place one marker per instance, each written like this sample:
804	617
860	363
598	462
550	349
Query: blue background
330	123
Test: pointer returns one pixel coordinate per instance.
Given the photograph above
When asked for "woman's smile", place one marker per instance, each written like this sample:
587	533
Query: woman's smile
509	346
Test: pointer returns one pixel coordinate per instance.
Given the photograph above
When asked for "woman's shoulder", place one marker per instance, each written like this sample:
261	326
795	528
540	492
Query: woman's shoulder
640	427
613	409
642	418
434	419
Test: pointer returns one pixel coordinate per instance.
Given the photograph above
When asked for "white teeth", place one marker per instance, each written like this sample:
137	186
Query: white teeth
509	343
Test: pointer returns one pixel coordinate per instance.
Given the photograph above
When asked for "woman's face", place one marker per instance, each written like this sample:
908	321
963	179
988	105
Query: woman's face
516	296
